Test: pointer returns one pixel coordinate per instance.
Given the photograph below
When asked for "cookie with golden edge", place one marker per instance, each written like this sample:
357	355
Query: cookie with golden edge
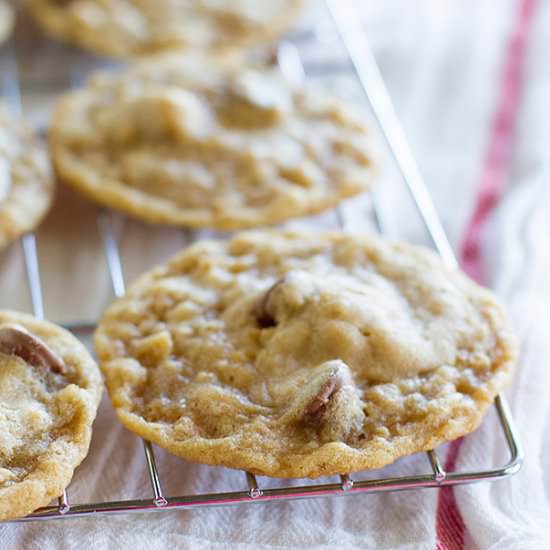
6	20
26	183
294	354
50	389
207	143
136	27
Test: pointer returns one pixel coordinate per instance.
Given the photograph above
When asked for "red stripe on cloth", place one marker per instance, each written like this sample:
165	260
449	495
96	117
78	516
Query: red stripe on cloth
450	528
493	179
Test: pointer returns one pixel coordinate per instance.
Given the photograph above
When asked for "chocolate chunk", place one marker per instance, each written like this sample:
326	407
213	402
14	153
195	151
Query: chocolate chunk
337	379
16	340
263	309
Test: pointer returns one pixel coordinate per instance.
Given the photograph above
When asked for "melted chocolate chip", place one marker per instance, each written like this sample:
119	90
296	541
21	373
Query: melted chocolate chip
263	309
15	340
322	398
317	405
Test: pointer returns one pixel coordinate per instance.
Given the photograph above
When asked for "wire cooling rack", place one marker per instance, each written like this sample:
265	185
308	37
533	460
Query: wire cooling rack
345	21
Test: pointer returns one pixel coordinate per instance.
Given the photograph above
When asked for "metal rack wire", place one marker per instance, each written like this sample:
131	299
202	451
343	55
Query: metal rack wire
347	23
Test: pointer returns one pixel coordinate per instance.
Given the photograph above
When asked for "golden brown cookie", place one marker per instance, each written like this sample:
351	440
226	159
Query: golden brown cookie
26	183
205	142
134	27
50	389
296	354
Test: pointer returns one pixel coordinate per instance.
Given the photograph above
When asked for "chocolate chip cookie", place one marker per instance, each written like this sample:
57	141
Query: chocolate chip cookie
206	142
293	354
26	182
135	27
50	389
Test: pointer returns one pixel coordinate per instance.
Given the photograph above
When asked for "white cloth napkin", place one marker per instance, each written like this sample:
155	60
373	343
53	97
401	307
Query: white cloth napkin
443	61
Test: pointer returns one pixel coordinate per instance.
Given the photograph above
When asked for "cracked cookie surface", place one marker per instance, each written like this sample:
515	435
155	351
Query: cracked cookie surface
50	389
135	27
205	142
294	354
26	183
